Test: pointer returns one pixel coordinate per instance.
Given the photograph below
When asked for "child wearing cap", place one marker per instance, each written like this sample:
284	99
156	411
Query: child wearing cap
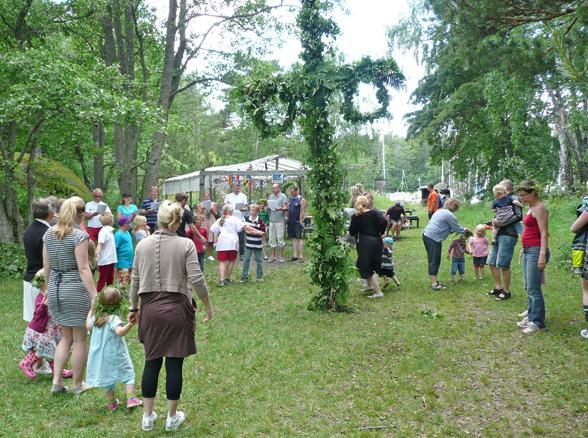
387	268
124	251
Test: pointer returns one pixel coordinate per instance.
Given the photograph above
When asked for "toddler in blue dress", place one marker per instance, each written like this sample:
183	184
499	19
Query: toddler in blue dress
109	361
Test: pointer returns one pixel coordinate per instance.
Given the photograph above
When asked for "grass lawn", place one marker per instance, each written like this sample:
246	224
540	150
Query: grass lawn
415	363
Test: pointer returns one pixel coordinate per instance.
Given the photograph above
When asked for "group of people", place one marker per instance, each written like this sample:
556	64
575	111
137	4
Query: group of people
62	302
158	254
497	254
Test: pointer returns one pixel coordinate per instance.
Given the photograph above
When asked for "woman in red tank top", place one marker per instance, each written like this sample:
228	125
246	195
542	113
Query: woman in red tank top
535	255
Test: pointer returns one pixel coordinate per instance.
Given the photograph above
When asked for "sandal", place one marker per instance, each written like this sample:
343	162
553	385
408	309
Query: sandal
504	295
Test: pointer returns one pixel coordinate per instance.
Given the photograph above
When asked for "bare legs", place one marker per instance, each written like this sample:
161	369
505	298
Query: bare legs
76	337
296	248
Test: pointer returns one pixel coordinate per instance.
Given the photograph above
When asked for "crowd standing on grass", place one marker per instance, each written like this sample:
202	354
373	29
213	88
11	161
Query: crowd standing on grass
161	264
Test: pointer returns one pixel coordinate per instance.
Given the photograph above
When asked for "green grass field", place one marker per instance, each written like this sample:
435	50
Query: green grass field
415	363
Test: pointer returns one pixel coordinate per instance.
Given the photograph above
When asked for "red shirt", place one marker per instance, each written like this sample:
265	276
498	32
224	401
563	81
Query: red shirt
531	232
199	244
41	315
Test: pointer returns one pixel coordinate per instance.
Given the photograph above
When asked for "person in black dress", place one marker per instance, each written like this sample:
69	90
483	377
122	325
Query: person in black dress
367	227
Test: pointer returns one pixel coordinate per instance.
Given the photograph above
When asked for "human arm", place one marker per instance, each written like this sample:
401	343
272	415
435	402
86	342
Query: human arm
46	264
542	215
122	330
302	210
580	223
98	250
81	253
89	324
196	279
135	279
454	224
250	230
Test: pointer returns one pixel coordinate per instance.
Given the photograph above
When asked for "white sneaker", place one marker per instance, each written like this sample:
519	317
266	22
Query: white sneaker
584	333
532	328
524	314
172	423
523	323
281	260
377	295
211	258
147	422
367	288
44	369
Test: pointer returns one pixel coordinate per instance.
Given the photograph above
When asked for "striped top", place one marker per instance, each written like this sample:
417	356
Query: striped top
387	260
252	241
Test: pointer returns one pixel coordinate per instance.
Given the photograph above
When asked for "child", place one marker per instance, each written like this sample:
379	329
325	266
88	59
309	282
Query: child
478	247
579	242
140	230
504	206
109	362
456	252
387	268
264	216
199	240
41	336
253	244
106	252
124	251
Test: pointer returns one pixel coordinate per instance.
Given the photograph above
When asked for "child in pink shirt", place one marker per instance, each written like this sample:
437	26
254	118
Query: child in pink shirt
478	244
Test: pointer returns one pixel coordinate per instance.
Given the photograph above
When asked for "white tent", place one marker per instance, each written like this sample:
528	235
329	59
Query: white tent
266	166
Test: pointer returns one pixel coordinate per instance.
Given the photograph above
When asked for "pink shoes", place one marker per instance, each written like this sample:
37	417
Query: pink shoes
66	374
113	406
133	402
26	365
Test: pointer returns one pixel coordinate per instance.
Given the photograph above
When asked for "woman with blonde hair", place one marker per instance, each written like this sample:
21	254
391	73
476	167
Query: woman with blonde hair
442	223
70	290
227	229
368	227
165	271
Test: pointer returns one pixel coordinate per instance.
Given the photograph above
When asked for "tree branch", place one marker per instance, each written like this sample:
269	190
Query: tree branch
199	81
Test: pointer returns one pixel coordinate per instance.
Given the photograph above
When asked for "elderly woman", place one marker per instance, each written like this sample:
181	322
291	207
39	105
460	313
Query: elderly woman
442	223
535	255
165	271
70	290
367	227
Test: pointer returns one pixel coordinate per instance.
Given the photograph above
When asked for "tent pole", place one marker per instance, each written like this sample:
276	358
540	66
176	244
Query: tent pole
202	185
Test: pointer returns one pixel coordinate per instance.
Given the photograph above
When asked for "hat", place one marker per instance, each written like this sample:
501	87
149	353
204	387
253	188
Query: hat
123	220
388	240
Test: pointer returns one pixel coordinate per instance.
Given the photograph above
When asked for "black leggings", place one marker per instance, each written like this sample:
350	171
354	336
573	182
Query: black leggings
434	250
173	381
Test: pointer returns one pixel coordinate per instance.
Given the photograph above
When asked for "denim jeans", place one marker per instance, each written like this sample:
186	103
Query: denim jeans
532	278
201	260
258	261
457	265
502	251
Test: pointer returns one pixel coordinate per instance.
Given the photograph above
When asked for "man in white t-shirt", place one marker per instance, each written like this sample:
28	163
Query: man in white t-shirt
233	199
93	210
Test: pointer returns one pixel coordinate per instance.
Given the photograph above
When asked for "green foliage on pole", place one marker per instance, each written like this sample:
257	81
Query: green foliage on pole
307	94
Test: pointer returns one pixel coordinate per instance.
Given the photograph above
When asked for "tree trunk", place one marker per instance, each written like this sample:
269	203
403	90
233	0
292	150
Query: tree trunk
168	77
98	136
31	182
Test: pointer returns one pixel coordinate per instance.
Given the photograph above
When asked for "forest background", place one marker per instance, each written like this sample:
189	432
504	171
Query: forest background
99	94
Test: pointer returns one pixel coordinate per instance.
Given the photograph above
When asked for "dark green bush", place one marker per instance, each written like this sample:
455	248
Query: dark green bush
12	260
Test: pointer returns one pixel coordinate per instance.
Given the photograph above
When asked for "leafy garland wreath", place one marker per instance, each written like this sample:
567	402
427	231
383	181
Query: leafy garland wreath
380	73
260	92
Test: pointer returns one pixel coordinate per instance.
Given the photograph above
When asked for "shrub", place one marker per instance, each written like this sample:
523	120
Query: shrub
12	260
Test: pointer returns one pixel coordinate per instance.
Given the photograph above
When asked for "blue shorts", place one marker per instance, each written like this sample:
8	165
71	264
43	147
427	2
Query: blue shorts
501	251
457	265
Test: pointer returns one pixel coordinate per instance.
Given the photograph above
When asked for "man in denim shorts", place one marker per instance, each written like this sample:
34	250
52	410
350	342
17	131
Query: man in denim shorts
502	251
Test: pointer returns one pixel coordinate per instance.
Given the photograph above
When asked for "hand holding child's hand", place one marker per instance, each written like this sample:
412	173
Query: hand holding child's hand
133	318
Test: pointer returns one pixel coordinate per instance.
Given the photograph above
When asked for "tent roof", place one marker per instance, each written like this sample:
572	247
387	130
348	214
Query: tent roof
190	182
265	163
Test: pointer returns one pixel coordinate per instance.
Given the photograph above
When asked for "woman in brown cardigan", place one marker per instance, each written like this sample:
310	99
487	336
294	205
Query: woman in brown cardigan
165	271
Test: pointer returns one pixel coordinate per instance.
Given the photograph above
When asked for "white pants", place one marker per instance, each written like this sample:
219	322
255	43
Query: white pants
276	234
29	293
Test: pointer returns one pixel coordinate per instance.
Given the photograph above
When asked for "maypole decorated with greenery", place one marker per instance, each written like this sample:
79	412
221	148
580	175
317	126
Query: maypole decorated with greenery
310	93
